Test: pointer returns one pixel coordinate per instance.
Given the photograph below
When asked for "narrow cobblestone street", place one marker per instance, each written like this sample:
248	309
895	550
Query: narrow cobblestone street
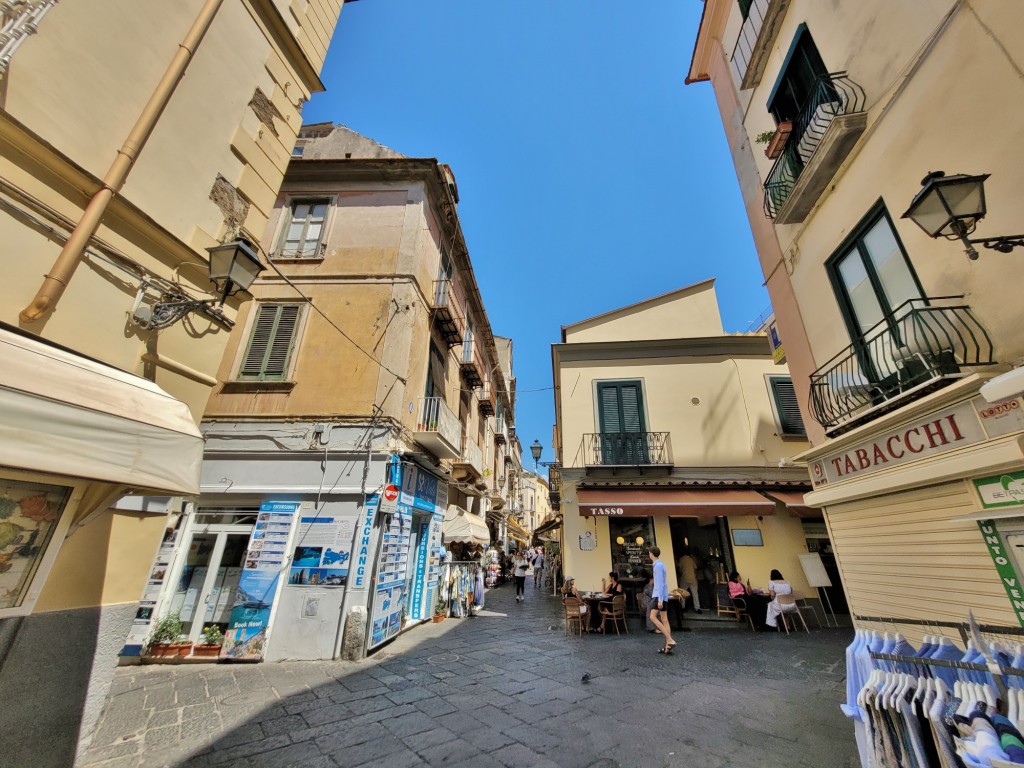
502	689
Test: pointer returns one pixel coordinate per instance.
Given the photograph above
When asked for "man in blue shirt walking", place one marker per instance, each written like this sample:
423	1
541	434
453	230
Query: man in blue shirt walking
659	601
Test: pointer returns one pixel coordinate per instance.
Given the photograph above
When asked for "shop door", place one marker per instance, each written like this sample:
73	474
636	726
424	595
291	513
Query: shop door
208	580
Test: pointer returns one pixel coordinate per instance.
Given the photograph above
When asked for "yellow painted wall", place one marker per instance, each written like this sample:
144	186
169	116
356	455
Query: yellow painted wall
686	313
106	562
784	542
729	426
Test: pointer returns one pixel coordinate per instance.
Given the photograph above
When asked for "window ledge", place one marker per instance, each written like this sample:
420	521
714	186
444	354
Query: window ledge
297	259
234	387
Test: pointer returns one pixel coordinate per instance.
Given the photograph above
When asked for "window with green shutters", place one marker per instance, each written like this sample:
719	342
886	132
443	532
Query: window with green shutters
272	342
620	407
786	407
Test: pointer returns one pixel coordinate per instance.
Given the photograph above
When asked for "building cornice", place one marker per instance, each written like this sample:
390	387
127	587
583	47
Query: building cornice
712	24
705	346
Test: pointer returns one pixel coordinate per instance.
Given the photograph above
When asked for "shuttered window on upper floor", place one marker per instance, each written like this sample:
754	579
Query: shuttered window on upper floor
786	408
620	406
303	233
272	343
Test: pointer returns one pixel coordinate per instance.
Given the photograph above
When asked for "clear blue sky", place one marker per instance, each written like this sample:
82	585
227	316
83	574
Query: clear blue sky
590	176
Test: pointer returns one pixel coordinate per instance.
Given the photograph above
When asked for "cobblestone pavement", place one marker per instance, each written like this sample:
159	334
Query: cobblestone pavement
501	689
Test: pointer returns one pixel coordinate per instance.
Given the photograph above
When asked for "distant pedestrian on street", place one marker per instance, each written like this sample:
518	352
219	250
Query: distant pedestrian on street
659	601
520	566
538	568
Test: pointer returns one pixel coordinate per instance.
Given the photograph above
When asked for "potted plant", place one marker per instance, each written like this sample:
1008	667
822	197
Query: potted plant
776	140
212	640
404	619
440	610
167	639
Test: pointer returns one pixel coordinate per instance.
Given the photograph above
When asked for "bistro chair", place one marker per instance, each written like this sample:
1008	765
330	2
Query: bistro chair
725	607
790	610
742	613
573	614
615	611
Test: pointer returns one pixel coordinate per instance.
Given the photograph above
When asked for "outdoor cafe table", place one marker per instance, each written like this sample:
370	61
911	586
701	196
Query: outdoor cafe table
593	600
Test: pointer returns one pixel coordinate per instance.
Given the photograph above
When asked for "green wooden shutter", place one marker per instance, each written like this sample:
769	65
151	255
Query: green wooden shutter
270	347
621	422
786	405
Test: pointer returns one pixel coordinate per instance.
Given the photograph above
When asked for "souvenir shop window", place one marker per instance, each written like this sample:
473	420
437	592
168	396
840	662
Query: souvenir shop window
32	516
630	539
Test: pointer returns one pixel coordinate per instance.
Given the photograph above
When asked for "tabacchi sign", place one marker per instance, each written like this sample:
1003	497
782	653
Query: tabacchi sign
938	433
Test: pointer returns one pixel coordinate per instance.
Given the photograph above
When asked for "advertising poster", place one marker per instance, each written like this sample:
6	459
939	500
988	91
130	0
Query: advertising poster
322	553
246	637
29	514
142	624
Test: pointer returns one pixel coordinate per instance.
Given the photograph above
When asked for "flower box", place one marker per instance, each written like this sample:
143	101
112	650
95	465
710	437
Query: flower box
779	139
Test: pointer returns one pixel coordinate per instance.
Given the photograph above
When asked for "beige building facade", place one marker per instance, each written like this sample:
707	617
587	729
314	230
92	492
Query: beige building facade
366	360
892	337
670	431
112	187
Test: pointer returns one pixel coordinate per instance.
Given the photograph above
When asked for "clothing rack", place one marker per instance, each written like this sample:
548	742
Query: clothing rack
961	626
997	671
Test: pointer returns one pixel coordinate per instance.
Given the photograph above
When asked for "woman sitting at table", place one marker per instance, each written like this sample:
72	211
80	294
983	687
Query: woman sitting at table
612	587
736	588
569	588
777	586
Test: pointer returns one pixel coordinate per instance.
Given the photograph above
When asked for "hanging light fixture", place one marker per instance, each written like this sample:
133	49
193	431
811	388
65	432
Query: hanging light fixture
951	207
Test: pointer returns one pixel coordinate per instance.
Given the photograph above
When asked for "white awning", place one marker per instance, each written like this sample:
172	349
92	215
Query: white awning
68	415
460	525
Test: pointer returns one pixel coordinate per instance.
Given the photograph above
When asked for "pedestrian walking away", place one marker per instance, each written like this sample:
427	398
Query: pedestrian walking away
520	566
659	600
538	568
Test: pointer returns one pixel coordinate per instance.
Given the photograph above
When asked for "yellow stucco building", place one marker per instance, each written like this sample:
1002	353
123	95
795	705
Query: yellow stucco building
894	337
133	136
670	431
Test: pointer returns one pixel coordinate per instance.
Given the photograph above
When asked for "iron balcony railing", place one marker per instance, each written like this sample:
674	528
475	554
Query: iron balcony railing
473	456
471	363
436	416
833	95
449	311
555	484
616	449
500	430
924	343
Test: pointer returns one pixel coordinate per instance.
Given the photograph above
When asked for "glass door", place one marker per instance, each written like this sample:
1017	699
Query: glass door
208	581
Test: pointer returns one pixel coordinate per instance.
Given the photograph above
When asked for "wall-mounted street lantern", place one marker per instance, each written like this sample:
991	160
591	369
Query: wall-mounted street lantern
951	207
234	266
536	449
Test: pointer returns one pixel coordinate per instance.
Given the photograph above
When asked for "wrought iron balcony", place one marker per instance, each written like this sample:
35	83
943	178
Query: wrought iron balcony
438	429
756	39
824	132
926	344
448	311
471	364
485	398
469	466
627	449
500	431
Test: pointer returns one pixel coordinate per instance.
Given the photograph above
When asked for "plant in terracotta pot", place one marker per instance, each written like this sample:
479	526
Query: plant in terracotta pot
212	639
439	611
776	140
167	639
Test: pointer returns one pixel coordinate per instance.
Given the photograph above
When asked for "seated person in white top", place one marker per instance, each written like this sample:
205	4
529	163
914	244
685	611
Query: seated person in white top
777	586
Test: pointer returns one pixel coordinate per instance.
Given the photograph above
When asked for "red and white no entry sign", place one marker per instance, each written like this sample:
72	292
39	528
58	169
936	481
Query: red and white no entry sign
390	492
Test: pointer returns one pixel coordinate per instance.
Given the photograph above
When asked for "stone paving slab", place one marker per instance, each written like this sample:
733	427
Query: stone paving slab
500	689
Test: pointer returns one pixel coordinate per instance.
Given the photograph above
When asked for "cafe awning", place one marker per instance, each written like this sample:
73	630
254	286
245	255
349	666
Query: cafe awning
665	502
68	415
794	501
550	525
460	525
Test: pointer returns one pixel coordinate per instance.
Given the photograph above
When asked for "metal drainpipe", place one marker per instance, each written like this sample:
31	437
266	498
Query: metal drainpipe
60	274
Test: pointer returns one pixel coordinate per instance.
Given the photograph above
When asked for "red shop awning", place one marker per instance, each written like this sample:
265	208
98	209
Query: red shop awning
794	501
683	502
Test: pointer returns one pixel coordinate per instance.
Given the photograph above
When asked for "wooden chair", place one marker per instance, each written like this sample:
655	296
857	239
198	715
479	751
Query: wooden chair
789	610
725	606
615	611
572	607
741	608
